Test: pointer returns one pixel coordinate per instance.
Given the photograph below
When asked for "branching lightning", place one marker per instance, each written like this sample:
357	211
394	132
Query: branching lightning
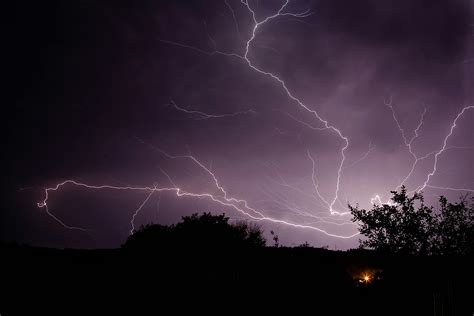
444	147
436	153
220	196
238	205
408	142
326	124
282	83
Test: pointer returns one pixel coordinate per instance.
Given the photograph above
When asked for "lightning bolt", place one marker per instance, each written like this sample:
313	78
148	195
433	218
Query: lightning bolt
304	123
436	153
443	148
316	183
245	57
449	188
232	12
363	157
132	222
282	200
283	84
211	40
239	205
220	196
408	142
204	116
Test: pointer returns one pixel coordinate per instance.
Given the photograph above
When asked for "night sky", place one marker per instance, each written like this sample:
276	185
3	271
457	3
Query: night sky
163	94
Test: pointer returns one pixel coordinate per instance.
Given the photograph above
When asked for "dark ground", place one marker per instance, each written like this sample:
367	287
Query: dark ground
323	282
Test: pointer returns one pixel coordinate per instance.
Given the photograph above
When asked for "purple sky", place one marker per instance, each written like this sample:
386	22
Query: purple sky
101	88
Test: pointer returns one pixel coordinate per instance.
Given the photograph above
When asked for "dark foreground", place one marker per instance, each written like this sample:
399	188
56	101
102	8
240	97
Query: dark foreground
43	281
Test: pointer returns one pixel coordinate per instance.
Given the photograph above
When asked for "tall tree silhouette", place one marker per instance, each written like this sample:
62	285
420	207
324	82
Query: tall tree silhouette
409	226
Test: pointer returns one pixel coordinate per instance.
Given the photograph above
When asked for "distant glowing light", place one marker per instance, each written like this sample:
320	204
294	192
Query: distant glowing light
366	279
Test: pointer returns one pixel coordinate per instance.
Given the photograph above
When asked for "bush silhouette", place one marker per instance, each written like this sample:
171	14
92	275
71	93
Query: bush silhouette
408	226
198	231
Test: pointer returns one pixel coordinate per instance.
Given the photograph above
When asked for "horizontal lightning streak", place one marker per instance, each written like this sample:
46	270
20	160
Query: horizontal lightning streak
449	188
229	202
204	116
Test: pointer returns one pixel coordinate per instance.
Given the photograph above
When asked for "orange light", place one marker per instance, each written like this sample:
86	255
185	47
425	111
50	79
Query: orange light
366	278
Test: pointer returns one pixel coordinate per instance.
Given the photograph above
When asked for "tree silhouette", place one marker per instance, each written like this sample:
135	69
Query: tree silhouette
408	226
150	236
198	231
455	231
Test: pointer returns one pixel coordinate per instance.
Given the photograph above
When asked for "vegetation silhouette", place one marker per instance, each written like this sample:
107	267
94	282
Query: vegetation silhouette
408	226
210	261
205	231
